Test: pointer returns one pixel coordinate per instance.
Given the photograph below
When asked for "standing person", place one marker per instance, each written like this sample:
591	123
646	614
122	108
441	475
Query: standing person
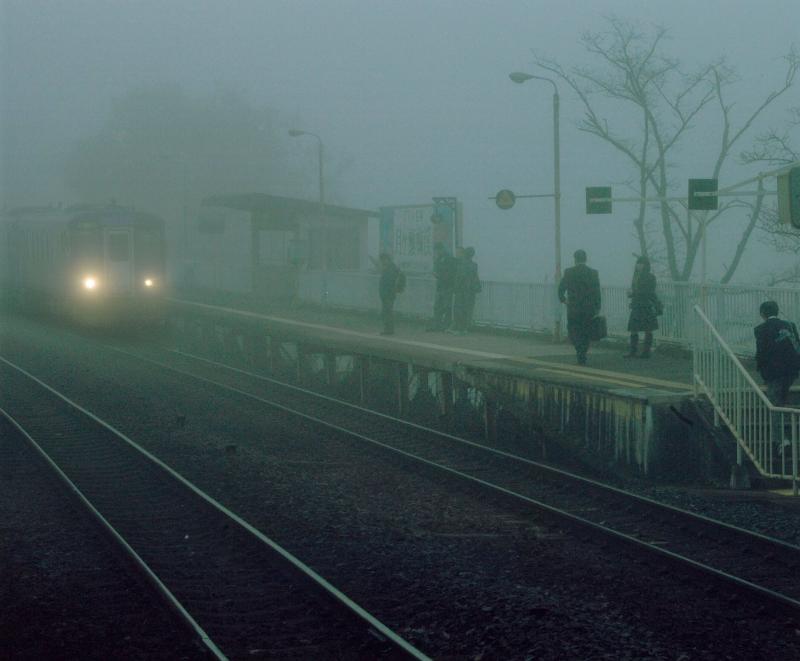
466	286
390	282
645	308
444	271
580	290
777	359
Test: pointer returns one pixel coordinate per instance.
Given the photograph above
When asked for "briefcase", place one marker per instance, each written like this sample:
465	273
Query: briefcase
598	328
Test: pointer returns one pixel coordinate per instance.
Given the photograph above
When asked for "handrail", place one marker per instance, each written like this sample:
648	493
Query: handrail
758	425
747	376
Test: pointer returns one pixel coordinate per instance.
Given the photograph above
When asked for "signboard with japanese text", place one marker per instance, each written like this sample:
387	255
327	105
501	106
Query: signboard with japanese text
408	233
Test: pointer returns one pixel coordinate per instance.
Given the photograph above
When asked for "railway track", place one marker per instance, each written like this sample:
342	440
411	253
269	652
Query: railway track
49	552
240	593
723	554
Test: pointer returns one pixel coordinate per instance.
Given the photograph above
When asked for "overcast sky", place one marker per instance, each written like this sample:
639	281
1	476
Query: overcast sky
413	94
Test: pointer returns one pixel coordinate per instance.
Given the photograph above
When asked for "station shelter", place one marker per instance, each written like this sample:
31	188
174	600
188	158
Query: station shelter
254	245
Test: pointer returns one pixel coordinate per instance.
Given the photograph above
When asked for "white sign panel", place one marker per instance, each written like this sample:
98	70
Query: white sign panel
408	233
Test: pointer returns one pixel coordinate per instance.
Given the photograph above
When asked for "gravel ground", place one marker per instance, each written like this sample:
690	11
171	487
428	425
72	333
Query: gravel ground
64	593
459	575
770	514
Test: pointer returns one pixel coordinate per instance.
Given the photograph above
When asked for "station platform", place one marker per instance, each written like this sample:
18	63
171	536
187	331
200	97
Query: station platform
639	415
668	369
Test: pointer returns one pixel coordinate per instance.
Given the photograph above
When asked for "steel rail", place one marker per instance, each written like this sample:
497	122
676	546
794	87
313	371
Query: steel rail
502	453
374	626
128	552
792	603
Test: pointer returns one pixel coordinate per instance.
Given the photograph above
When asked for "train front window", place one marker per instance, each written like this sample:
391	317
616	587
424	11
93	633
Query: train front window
86	245
118	248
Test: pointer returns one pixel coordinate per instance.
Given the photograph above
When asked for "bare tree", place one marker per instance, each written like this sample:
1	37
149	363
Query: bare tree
775	148
635	76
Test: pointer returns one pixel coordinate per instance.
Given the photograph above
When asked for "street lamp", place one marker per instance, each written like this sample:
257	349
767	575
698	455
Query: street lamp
296	133
521	77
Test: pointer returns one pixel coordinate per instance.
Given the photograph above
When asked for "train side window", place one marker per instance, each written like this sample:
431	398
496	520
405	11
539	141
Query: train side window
118	248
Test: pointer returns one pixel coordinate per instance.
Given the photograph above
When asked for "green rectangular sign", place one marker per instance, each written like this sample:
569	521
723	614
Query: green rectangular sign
598	192
704	203
789	197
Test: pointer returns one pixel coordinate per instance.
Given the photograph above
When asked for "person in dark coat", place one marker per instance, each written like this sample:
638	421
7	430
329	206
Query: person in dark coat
645	308
444	271
387	288
466	286
776	354
580	290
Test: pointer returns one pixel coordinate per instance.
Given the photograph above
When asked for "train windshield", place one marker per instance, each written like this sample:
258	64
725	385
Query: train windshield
86	244
118	247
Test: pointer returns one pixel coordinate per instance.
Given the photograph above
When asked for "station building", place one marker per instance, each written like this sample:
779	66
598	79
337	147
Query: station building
254	245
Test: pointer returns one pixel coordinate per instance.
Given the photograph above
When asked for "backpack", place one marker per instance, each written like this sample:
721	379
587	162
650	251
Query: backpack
789	345
475	281
400	282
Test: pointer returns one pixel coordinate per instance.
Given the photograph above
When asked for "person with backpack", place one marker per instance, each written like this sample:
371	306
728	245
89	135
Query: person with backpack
444	271
777	353
466	286
392	283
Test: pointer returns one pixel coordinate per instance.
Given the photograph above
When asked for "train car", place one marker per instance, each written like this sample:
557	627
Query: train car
91	264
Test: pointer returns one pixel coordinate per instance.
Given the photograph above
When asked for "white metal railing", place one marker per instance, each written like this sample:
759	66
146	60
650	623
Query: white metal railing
768	434
527	306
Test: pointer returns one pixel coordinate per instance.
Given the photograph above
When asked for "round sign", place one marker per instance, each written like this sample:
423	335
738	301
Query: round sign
505	199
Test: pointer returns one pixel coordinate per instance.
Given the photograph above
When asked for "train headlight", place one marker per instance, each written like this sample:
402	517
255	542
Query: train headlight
89	283
149	283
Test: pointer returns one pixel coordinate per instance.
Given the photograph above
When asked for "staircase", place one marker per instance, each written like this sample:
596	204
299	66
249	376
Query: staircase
768	435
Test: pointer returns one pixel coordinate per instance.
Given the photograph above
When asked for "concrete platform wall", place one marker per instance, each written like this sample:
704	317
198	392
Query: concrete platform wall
645	432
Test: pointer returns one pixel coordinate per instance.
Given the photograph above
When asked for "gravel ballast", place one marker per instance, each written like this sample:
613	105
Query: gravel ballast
460	575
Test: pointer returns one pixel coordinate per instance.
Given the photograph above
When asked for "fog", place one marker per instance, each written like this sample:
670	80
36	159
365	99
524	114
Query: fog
411	99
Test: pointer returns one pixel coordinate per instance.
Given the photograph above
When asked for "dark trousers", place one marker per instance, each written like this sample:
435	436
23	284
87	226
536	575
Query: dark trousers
463	307
778	390
648	343
778	394
442	309
578	330
387	313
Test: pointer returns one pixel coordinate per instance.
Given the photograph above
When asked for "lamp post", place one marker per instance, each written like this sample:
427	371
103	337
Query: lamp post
295	133
520	77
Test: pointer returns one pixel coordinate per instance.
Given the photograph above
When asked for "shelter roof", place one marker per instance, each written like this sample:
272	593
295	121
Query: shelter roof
261	202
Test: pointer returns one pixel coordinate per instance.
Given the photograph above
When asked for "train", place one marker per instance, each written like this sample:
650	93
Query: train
93	264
